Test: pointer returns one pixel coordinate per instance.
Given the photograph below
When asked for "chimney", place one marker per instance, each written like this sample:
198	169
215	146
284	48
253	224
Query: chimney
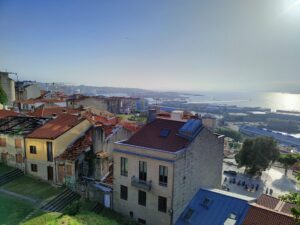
151	115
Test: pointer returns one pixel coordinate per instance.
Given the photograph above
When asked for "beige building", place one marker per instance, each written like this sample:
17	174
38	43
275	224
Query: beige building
49	141
13	129
209	121
160	168
27	90
8	86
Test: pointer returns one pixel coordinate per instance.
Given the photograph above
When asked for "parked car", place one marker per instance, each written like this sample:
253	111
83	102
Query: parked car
230	172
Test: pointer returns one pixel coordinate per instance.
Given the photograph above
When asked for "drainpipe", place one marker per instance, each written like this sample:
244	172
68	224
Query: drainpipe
25	157
172	213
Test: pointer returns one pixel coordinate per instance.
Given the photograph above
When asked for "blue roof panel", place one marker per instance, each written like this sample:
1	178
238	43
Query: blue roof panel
213	208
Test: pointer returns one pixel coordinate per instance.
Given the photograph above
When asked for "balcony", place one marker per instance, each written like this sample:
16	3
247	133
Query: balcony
136	182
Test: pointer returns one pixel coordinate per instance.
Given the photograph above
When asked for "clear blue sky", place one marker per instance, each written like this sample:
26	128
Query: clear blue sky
175	44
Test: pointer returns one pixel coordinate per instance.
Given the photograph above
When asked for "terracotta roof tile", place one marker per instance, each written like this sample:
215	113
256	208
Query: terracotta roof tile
7	113
258	215
56	127
267	201
49	111
149	136
274	204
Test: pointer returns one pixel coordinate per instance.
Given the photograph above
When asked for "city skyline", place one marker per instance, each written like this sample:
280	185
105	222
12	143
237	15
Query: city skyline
170	45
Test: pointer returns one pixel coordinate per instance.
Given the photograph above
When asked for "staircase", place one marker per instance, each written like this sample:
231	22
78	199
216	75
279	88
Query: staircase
61	201
97	208
10	176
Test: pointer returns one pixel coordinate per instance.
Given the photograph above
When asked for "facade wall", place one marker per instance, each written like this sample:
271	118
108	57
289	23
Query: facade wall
8	86
149	212
200	166
11	150
58	145
89	102
32	91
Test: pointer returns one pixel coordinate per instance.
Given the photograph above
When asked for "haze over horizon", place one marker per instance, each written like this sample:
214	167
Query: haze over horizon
158	45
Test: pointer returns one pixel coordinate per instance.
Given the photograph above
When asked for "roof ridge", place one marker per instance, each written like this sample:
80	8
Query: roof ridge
271	210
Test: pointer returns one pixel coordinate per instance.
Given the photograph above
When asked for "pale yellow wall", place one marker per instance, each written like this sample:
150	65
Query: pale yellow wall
63	141
59	145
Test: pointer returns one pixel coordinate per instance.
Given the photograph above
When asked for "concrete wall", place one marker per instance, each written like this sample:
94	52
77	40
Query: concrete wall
32	91
149	213
8	86
11	150
200	166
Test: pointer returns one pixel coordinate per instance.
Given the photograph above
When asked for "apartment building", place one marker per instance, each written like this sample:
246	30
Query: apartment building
161	167
49	141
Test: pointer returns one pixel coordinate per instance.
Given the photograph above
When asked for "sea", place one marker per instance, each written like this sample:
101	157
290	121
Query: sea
270	100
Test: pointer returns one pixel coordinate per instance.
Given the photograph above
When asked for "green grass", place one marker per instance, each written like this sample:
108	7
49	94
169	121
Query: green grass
13	210
32	187
4	169
83	218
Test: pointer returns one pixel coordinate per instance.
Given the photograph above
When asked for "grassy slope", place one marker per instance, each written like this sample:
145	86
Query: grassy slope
31	187
83	218
13	210
4	169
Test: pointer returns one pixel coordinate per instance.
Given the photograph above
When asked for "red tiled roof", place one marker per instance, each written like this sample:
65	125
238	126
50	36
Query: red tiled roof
274	204
78	147
132	127
268	201
49	111
258	215
149	136
7	113
56	127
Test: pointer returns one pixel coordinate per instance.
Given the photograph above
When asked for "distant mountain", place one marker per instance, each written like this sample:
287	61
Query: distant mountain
109	91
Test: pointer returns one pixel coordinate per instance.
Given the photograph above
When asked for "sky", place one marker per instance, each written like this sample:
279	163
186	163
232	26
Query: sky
212	45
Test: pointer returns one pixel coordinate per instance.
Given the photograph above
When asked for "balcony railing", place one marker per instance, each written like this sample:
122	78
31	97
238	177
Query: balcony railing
136	182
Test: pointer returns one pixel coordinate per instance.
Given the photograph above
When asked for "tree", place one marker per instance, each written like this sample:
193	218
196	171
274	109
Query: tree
294	198
287	161
3	96
257	154
235	135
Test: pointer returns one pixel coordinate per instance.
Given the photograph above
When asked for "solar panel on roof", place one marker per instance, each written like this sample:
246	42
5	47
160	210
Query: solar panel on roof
164	132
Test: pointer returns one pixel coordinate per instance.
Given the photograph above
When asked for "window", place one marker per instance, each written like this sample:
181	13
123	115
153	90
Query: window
188	214
34	168
206	202
142	198
32	149
141	221
142	171
19	158
49	152
124	166
123	192
162	204
2	142
164	132
163	175
18	143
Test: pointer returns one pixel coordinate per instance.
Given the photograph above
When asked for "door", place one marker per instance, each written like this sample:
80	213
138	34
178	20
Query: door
50	173
61	174
107	200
